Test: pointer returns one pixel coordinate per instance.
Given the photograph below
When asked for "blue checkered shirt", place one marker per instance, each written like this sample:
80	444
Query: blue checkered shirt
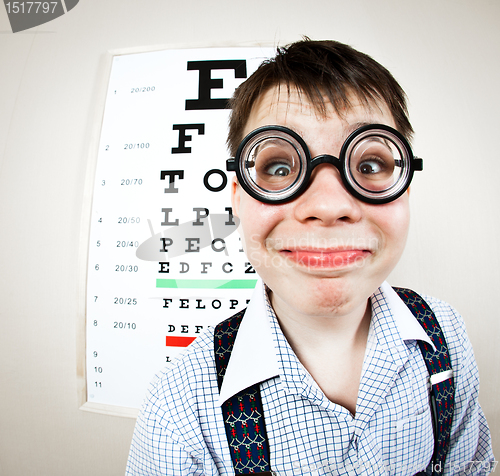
180	429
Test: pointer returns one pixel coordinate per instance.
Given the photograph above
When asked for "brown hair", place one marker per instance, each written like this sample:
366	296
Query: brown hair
318	68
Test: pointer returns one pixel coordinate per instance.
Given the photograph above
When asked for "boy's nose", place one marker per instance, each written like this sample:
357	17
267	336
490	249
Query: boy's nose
326	199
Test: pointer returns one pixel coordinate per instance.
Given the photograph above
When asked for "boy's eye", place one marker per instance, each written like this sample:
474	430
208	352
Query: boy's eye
371	166
278	168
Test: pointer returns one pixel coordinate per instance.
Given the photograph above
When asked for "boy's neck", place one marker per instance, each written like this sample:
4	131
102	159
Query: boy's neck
331	348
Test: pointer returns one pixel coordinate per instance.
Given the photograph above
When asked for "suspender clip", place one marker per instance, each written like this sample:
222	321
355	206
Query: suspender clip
440	377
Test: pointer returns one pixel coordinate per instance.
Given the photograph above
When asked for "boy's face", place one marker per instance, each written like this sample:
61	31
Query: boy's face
325	252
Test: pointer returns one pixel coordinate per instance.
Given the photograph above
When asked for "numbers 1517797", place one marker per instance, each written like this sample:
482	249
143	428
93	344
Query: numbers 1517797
30	7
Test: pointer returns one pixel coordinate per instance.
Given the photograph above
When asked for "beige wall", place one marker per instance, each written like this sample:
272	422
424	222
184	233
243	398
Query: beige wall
446	55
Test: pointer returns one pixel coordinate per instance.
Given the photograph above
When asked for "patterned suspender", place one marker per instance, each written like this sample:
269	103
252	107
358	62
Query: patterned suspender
438	364
244	416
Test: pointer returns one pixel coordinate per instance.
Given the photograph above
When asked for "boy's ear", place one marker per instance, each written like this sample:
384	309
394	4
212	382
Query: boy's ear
235	195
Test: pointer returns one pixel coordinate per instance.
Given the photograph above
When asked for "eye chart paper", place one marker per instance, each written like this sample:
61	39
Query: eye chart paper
165	260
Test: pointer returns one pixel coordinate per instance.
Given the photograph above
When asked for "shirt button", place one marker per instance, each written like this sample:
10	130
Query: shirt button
354	443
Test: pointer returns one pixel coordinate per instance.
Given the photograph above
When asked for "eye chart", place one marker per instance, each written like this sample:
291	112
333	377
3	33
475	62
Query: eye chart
165	260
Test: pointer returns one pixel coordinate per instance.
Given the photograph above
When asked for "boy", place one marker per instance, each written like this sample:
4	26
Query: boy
320	140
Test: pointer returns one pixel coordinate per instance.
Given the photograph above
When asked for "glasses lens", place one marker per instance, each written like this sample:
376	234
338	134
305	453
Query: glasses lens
273	163
378	164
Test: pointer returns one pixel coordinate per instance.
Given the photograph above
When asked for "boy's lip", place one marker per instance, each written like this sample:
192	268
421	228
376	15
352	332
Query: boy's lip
325	258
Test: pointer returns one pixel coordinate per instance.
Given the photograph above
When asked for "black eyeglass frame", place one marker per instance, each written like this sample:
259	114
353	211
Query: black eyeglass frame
237	165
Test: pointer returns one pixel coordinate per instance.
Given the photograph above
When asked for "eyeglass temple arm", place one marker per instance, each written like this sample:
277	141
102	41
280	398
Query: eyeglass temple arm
417	162
231	165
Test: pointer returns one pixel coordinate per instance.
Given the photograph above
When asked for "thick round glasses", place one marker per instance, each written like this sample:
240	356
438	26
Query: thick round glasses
273	164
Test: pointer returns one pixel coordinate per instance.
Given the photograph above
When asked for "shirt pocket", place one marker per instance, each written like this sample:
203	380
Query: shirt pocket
412	443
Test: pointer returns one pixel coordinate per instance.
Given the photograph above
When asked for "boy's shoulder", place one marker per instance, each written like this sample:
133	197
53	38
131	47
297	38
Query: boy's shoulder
448	317
189	378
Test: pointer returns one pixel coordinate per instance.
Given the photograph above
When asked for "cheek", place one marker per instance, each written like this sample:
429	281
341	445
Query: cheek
393	220
257	221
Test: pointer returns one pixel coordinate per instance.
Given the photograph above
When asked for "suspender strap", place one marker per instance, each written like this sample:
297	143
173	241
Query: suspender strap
441	375
243	414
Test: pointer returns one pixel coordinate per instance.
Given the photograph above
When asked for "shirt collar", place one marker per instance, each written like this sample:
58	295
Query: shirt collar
254	356
408	326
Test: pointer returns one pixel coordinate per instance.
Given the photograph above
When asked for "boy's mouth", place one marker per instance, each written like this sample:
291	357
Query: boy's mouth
326	258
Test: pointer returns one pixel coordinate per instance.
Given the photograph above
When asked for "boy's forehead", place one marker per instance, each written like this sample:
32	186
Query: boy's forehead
278	103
